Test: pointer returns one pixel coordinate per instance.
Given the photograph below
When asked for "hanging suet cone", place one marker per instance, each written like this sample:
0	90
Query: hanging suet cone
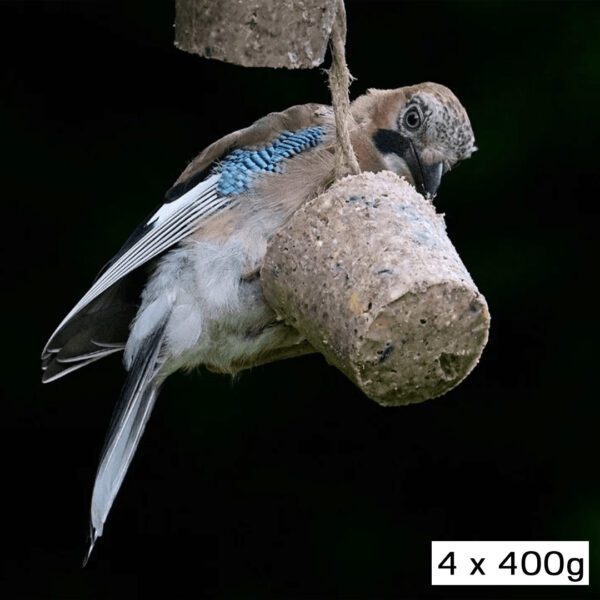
368	275
256	33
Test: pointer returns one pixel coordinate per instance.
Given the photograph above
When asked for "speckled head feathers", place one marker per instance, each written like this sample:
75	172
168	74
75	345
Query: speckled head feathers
444	129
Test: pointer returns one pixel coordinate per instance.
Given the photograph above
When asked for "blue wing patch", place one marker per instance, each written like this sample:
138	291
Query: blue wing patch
239	167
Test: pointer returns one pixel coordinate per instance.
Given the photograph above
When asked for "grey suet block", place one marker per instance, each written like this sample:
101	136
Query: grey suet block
367	273
256	33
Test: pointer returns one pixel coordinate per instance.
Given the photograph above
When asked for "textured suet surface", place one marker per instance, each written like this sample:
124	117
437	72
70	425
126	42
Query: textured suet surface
256	33
367	273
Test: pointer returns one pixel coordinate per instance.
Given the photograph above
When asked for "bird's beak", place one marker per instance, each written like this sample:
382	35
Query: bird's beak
427	176
431	179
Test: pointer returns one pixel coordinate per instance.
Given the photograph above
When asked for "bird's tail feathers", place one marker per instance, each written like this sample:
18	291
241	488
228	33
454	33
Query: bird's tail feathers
127	426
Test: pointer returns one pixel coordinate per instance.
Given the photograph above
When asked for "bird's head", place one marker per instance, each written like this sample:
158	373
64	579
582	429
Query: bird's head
420	132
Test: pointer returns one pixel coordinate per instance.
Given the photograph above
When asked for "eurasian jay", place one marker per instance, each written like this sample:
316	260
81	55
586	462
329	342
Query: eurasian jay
184	290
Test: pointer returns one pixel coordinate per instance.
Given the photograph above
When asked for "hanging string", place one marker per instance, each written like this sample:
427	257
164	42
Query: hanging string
339	84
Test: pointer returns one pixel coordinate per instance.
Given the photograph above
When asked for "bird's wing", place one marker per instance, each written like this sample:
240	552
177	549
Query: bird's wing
208	185
257	135
171	223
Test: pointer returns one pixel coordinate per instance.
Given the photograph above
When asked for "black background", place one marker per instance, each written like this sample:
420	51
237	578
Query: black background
290	483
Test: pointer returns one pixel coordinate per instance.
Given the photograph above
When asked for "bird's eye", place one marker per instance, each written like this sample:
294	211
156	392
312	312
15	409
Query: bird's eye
412	118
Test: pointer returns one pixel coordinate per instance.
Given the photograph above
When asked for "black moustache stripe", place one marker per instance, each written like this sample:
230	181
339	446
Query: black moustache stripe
388	141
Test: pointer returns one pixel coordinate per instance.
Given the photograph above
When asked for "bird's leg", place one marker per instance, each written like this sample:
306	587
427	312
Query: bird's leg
250	275
270	356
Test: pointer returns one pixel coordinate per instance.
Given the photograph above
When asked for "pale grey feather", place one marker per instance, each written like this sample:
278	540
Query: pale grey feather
170	224
128	423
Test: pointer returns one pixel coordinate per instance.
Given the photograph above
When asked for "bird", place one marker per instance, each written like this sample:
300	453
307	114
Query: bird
184	290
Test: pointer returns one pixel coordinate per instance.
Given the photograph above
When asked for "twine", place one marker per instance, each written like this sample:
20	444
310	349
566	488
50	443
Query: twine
340	78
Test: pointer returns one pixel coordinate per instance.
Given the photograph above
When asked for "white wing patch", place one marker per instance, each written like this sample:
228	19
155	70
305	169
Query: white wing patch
169	225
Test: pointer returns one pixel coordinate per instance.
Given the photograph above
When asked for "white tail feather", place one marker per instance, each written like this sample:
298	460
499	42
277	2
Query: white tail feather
130	418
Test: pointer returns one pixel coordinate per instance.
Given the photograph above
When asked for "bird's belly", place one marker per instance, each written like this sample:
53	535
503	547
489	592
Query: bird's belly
232	336
218	316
